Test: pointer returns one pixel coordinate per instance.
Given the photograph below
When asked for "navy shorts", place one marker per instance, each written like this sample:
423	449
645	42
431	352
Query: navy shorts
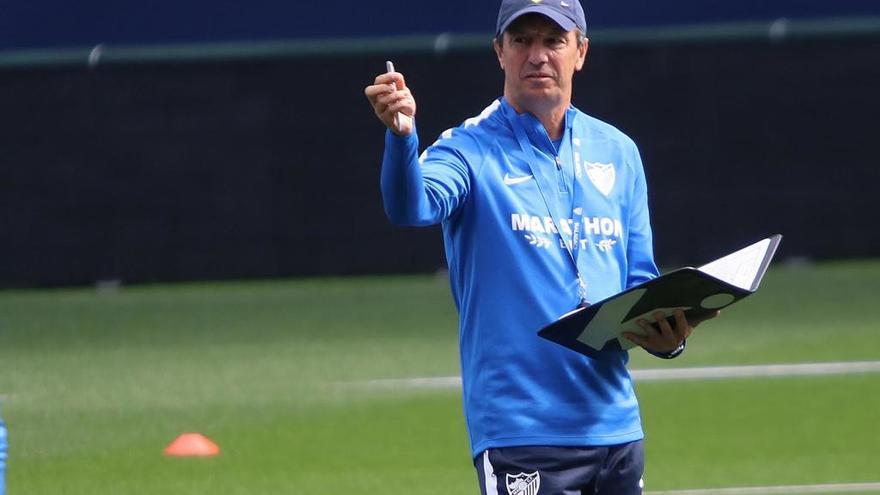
611	470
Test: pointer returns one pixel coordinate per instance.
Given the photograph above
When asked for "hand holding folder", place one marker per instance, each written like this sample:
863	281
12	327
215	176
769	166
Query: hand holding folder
597	330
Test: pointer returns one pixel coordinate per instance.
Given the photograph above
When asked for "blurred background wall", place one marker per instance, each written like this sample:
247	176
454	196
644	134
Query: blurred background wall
192	140
60	23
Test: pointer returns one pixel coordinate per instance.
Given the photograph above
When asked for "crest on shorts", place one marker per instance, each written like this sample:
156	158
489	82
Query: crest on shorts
523	484
601	175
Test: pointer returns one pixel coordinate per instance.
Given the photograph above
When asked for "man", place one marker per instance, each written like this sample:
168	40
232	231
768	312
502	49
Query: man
543	208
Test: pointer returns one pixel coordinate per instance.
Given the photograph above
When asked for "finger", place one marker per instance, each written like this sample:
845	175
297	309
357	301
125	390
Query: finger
405	105
636	339
647	327
395	78
384	78
375	91
696	321
401	101
390	110
373	99
398	108
682	327
663	325
392	97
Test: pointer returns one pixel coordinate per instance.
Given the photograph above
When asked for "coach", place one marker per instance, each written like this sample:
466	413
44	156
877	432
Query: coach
543	208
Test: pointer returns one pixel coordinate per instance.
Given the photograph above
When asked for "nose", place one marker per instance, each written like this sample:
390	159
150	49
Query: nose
538	54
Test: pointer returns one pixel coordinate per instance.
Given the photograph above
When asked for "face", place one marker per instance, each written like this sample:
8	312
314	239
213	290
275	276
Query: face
539	60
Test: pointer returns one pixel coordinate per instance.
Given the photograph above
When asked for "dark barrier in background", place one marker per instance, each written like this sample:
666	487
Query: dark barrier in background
151	172
85	23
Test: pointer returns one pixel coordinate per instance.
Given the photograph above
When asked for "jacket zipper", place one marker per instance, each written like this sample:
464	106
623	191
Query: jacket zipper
560	176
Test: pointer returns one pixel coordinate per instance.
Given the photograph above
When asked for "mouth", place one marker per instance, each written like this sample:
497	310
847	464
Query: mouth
539	79
538	76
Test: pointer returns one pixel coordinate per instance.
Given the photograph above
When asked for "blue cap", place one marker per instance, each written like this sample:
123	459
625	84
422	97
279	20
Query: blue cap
569	14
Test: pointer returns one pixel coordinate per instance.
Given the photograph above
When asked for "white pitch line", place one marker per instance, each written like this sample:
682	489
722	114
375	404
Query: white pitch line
761	370
436	382
778	490
673	374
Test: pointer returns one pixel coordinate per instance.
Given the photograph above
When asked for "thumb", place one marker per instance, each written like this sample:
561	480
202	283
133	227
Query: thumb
398	80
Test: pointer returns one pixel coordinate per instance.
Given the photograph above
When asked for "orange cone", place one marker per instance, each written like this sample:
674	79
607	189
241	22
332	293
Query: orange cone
192	445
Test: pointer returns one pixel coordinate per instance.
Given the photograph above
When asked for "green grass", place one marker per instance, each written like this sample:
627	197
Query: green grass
96	384
762	432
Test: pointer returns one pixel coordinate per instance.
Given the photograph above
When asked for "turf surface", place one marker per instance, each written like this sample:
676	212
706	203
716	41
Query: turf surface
96	383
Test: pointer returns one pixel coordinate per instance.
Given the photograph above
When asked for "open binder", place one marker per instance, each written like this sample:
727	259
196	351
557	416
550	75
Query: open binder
597	330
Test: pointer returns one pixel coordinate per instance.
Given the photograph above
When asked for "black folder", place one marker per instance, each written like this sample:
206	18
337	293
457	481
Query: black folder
596	330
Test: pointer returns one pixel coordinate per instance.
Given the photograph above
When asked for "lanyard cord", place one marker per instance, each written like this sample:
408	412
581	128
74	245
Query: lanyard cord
526	147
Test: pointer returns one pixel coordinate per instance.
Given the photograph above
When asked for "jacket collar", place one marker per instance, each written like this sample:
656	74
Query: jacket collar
535	130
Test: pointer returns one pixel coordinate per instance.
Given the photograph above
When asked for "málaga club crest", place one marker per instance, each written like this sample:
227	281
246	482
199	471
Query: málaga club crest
601	175
523	484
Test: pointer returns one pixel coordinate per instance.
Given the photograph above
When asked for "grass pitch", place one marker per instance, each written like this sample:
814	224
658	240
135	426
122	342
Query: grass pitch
95	384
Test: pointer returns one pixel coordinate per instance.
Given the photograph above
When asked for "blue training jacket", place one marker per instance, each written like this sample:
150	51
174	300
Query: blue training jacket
530	230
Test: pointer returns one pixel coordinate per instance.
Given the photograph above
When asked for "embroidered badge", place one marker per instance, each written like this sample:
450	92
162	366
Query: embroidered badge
523	484
601	175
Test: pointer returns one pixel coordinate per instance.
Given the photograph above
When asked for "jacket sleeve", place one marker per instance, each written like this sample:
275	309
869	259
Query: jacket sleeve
427	190
640	247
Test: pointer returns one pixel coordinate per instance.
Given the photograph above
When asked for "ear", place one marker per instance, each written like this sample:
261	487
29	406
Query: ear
582	54
497	44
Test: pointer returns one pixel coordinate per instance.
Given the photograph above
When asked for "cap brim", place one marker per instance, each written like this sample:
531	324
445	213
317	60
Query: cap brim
564	22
